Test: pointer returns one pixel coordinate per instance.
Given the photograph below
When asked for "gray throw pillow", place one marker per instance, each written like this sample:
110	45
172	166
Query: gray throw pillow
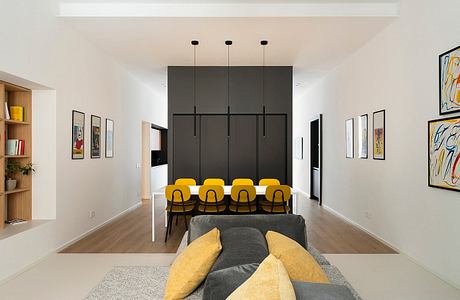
321	291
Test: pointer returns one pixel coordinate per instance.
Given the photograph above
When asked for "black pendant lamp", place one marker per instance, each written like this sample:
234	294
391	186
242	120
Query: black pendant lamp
264	43
194	44
228	43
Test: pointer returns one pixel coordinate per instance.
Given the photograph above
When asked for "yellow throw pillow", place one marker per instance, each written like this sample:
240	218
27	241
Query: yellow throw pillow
269	282
300	265
192	266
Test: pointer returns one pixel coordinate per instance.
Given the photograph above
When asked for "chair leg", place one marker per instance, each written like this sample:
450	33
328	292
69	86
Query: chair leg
185	220
177	218
171	223
167	226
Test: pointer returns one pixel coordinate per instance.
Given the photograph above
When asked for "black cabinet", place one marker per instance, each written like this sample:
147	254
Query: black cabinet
246	90
243	147
180	89
186	147
214	147
278	89
211	90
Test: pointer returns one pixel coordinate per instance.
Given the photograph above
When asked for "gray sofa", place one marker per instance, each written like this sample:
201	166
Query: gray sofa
244	247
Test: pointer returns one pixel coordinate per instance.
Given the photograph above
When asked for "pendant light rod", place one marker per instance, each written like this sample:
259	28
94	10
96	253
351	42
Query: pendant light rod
228	43
264	43
194	44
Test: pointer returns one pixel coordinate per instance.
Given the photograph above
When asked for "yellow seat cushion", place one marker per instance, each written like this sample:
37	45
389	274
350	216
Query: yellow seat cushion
300	265
276	208
269	282
243	208
178	208
192	266
211	208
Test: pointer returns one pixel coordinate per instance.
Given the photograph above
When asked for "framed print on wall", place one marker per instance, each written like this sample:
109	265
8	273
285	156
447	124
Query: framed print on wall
78	135
95	136
363	137
379	134
444	153
449	81
108	138
349	127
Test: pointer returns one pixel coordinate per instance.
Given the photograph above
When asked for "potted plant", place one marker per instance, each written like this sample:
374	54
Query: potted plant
11	168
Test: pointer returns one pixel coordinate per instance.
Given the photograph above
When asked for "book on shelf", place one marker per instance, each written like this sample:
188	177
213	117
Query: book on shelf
7	112
17	113
15	221
15	147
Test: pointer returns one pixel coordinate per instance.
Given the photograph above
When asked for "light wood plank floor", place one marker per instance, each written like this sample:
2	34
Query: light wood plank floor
131	233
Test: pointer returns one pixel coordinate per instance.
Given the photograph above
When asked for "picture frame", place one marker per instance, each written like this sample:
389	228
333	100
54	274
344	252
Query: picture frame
449	81
363	136
78	135
298	148
443	162
378	135
109	124
349	138
95	136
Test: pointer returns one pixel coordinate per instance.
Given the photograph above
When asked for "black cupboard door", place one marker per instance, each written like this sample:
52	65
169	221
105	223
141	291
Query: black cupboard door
211	90
186	147
272	148
245	95
180	89
214	147
243	147
278	89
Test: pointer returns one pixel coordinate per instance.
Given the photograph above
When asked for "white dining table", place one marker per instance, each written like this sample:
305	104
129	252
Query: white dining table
159	195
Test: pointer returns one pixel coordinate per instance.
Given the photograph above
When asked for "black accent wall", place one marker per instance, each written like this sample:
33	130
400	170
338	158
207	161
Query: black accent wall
242	126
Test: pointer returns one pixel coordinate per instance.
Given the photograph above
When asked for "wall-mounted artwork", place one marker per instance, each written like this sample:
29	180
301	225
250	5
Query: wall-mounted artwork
95	136
444	153
298	148
363	137
379	134
108	138
449	81
349	127
78	135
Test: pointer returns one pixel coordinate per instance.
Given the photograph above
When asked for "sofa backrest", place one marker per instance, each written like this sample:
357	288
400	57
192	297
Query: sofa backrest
292	226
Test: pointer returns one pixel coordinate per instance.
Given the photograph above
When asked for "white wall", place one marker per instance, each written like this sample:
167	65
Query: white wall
41	48
397	71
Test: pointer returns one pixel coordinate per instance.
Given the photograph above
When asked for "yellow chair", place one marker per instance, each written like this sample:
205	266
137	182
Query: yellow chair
243	199
277	199
178	199
185	181
242	181
214	181
211	199
269	181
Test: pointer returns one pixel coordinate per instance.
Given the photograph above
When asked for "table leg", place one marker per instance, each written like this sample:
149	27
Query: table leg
166	214
153	217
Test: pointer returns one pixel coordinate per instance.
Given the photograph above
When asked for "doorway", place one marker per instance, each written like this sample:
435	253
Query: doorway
316	173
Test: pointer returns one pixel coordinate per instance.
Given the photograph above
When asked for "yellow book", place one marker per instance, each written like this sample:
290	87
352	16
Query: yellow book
17	113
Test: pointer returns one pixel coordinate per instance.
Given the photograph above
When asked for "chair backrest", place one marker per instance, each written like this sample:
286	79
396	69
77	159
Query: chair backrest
214	181
177	193
211	193
269	181
243	193
278	193
185	181
242	181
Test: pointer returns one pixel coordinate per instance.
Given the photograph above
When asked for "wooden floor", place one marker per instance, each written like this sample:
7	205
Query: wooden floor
131	233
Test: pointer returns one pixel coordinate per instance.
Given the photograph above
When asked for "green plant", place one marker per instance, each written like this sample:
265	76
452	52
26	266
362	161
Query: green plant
13	166
27	169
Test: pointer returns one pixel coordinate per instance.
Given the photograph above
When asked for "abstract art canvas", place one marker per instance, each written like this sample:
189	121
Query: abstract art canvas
449	81
108	138
379	134
95	136
78	135
362	137
444	153
349	127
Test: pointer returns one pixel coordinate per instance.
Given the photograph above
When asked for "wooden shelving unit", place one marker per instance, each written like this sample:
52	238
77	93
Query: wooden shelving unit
18	202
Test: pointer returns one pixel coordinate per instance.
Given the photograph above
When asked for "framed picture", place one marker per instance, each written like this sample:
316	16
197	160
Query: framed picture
363	137
349	128
95	137
298	148
449	81
379	134
108	138
444	153
78	135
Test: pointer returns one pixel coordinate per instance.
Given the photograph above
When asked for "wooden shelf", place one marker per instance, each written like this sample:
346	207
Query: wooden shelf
13	122
21	190
17	156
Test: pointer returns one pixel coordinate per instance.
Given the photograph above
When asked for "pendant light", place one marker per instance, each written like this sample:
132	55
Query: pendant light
228	43
264	43
194	44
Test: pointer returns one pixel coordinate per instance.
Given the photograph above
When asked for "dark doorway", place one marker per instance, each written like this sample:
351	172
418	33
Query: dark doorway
316	130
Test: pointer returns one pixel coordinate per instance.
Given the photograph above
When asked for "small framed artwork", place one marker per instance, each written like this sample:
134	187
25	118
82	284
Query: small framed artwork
78	135
449	81
349	133
298	148
95	136
379	134
108	138
363	137
444	153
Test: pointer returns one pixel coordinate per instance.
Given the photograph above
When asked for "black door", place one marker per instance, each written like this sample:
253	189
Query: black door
186	147
272	147
214	147
243	147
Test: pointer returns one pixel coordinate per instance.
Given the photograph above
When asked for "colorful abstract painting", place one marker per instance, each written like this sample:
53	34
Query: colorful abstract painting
444	153
379	134
449	81
78	135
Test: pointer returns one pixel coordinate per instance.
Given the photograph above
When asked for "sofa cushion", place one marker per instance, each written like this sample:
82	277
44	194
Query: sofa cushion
321	291
292	226
220	284
240	246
